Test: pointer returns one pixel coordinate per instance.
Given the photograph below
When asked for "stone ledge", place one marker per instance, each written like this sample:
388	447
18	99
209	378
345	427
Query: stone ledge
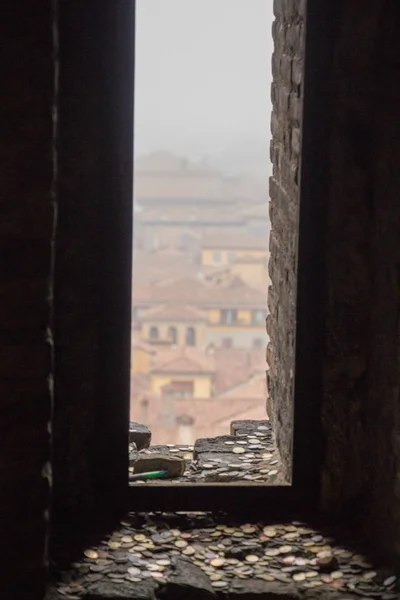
179	556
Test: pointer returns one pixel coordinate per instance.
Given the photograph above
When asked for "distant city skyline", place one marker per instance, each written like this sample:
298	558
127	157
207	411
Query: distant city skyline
203	77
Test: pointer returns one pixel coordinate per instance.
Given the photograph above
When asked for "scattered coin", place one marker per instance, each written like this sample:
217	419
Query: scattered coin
91	554
228	554
252	558
217	562
269	532
219	584
126	539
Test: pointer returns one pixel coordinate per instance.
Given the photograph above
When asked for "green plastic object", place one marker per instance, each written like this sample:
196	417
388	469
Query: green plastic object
149	475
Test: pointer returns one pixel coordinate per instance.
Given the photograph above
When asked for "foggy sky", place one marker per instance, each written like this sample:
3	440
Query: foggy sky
203	76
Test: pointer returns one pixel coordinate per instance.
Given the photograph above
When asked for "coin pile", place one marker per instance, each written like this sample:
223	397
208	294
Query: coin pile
228	555
250	454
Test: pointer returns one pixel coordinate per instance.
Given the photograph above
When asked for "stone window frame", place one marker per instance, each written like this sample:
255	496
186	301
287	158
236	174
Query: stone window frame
95	121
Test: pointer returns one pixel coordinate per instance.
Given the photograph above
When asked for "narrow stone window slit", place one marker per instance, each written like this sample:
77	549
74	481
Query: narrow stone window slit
198	406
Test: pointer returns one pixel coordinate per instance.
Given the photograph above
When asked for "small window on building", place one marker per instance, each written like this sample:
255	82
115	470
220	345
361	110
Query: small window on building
190	336
154	334
259	317
228	317
227	342
216	257
173	335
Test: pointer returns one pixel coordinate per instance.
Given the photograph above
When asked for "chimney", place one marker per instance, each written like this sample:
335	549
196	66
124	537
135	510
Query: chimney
185	430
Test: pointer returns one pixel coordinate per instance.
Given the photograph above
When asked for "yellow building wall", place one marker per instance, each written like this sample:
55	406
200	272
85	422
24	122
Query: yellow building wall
244	317
202	386
214	316
226	256
207	259
253	253
140	362
253	274
181	328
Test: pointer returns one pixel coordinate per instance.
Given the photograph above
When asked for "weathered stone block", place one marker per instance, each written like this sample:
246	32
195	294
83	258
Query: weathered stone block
258	589
106	590
188	582
140	435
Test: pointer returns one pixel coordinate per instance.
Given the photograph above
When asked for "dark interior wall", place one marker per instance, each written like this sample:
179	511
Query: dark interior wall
361	410
93	259
287	71
26	176
90	317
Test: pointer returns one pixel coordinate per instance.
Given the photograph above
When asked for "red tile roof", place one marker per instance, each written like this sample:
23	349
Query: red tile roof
235	365
150	267
211	417
234	293
140	385
174	312
183	360
142	345
254	387
242	395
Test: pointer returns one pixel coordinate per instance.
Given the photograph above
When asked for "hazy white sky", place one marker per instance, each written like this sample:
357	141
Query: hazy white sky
203	75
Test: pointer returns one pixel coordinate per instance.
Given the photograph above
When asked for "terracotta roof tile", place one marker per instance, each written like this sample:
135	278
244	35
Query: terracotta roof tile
211	417
197	292
136	342
174	312
183	360
149	267
235	365
254	387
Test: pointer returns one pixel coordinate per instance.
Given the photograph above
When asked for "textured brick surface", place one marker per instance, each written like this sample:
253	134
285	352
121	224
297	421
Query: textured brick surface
287	69
361	365
26	100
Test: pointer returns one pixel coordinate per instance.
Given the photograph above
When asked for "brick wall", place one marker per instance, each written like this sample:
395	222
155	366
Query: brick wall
360	376
287	69
26	101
